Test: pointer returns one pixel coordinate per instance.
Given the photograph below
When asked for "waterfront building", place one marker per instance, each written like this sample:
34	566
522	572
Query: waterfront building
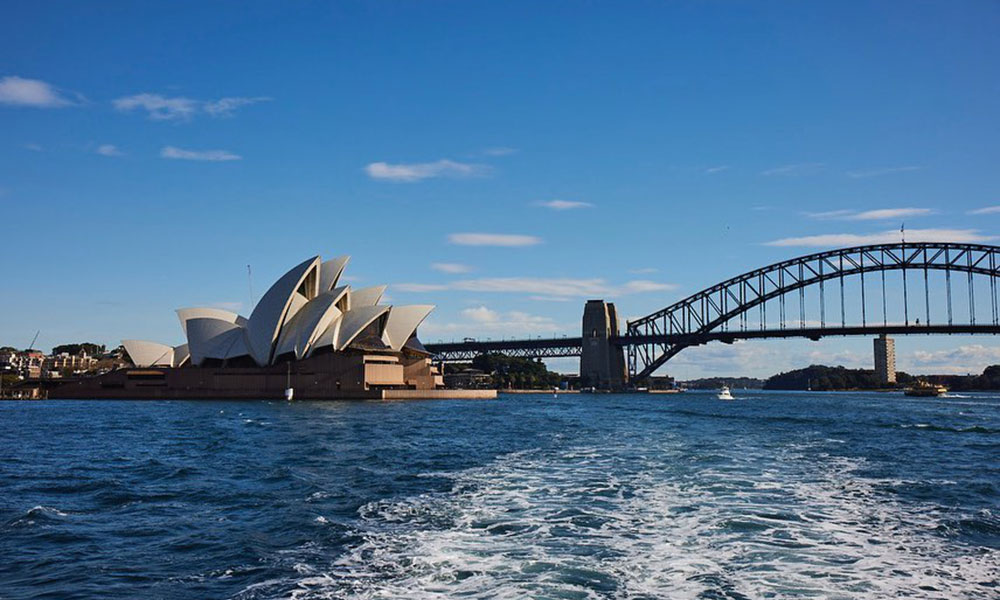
885	360
27	363
307	332
57	364
468	379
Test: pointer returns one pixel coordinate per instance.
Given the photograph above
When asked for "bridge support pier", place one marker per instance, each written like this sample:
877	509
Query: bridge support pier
602	364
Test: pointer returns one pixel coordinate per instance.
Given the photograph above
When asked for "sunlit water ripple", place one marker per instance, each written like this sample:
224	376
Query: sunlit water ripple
603	496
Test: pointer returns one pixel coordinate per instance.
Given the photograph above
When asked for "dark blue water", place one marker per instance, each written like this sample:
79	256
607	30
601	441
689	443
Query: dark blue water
772	495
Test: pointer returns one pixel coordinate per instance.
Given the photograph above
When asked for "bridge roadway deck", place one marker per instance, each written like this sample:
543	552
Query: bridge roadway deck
567	346
531	348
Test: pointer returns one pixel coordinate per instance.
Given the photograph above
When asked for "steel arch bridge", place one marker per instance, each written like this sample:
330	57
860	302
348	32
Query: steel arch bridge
754	305
725	311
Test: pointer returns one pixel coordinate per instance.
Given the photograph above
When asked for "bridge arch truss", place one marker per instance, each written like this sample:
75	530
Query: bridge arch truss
726	310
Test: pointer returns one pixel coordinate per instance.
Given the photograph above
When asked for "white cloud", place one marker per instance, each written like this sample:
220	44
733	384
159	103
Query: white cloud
226	107
410	172
162	108
830	214
420	287
644	271
208	155
564	204
481	314
532	285
451	267
719	169
890	213
794	170
499	151
765	358
972	358
986	210
841	358
493	239
885	237
878	214
483	321
34	147
18	91
758	358
640	286
108	150
159	108
233	306
754	359
541	287
879	172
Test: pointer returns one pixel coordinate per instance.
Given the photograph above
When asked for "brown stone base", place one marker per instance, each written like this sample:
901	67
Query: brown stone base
335	376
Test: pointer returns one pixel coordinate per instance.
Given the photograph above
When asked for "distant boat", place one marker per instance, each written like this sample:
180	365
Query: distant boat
724	393
925	390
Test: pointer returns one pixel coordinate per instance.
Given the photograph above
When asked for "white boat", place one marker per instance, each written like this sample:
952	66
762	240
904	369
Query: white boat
724	393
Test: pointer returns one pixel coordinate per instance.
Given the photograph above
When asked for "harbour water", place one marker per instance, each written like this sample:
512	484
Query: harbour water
780	495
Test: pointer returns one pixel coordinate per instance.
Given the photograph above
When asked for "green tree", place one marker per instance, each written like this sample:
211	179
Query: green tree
90	348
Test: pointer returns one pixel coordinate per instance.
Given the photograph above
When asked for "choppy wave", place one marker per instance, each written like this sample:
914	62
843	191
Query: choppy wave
35	514
617	497
576	524
945	428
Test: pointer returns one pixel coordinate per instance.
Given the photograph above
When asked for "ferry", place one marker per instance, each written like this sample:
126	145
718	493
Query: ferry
926	390
724	393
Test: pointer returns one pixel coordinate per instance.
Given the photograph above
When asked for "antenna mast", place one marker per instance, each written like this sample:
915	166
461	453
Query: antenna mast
250	285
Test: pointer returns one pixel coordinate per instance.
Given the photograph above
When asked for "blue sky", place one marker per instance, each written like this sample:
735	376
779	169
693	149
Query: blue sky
503	160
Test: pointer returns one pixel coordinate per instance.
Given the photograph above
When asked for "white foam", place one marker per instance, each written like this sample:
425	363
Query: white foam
604	521
47	510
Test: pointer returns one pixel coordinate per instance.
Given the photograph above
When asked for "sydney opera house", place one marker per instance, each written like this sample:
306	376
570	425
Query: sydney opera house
307	332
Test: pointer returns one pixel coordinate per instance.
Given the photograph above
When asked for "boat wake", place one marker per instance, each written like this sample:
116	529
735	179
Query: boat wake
598	522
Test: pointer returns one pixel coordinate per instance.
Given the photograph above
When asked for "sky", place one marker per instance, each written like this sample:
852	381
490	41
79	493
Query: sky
505	161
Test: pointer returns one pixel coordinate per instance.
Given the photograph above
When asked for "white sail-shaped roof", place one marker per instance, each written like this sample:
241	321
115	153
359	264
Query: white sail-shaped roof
149	354
329	272
181	355
402	322
295	305
300	313
186	314
354	322
231	344
368	296
269	314
210	338
328	338
309	323
286	341
416	345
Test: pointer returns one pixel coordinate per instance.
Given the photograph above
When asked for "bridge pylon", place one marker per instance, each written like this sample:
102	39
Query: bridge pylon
602	363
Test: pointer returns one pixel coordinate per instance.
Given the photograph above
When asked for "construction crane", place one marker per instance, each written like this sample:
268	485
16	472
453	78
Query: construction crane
31	346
